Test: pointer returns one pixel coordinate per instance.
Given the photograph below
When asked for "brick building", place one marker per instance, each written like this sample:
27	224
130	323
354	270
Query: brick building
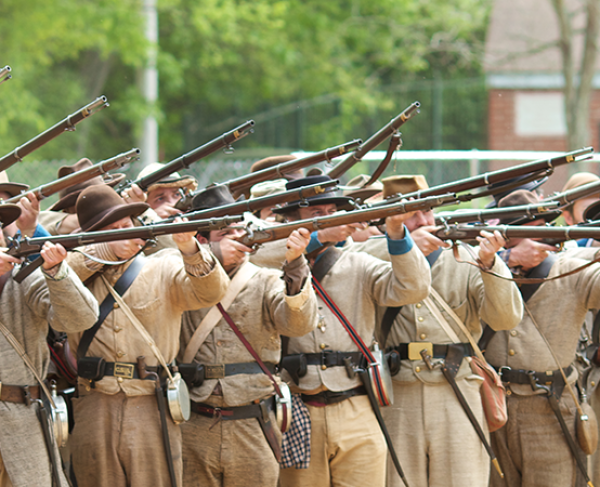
524	77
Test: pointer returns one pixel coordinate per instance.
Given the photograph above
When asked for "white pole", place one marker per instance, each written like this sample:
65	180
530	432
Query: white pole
149	143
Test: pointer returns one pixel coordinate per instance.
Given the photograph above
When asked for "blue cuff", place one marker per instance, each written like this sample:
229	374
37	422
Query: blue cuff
314	243
400	247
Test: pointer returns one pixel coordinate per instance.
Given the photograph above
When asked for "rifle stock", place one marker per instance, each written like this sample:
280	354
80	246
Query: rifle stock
277	232
373	141
499	176
189	158
68	124
27	246
78	177
256	204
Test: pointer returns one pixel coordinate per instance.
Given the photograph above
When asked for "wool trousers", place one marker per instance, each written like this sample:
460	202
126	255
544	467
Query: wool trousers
435	442
531	447
347	448
117	442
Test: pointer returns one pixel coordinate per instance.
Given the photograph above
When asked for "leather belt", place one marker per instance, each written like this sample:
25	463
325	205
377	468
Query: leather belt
219	371
520	376
411	351
19	394
332	359
332	397
241	412
126	370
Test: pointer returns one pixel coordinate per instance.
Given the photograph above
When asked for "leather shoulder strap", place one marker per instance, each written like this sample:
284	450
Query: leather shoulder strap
241	278
324	264
121	286
386	323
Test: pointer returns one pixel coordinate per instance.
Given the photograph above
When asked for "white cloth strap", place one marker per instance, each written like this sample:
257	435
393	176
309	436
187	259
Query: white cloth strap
241	278
23	354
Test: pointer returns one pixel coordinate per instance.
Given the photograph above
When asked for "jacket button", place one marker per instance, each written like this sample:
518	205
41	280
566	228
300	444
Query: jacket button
115	306
417	369
119	379
511	352
419	305
323	346
118	329
120	353
513	333
422	336
420	318
323	367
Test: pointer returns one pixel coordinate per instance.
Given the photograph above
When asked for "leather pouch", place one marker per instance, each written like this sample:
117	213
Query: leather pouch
295	365
91	368
393	360
192	374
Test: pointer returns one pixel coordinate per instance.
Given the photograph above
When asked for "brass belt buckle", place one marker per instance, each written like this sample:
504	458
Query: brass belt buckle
414	350
123	370
214	371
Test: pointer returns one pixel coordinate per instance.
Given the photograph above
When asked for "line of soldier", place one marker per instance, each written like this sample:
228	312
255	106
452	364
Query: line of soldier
402	275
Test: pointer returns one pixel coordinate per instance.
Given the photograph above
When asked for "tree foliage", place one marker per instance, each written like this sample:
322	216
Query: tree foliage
221	61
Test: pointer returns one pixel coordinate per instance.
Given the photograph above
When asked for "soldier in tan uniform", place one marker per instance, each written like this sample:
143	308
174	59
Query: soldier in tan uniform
53	295
347	446
117	435
436	443
224	443
531	448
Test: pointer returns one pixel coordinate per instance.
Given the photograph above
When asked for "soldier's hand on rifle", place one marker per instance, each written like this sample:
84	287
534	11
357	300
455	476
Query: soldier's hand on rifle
53	255
7	262
186	242
296	244
232	251
340	233
529	253
30	209
394	225
427	242
489	244
134	194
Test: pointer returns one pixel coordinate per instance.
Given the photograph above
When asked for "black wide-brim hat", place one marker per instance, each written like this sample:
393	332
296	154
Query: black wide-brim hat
592	212
329	196
68	197
212	197
8	214
13	189
100	205
530	186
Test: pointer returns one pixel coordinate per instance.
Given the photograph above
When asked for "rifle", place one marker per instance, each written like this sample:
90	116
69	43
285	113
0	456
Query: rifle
567	197
5	74
373	141
545	166
549	235
481	216
68	124
261	235
256	204
247	181
26	246
184	161
78	177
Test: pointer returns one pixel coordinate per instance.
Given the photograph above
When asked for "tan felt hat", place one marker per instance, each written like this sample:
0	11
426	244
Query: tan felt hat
403	184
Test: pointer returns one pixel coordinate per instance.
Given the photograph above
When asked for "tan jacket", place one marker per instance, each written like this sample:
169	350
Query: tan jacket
262	311
162	291
26	309
559	308
358	283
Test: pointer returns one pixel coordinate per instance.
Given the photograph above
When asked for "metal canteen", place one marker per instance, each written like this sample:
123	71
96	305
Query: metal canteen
383	389
178	398
59	416
283	406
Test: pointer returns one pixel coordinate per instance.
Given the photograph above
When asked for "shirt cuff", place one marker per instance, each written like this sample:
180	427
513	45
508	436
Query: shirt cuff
56	274
314	243
400	247
201	263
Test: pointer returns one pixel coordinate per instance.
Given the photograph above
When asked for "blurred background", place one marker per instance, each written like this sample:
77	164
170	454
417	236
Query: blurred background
490	75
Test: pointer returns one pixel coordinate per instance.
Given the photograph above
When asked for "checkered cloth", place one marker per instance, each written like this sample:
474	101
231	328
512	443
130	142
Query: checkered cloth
295	448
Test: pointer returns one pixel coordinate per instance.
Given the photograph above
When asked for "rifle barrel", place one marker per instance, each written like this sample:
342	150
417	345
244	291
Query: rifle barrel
249	180
567	197
495	176
98	169
500	213
256	204
386	131
559	234
277	232
195	155
68	124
